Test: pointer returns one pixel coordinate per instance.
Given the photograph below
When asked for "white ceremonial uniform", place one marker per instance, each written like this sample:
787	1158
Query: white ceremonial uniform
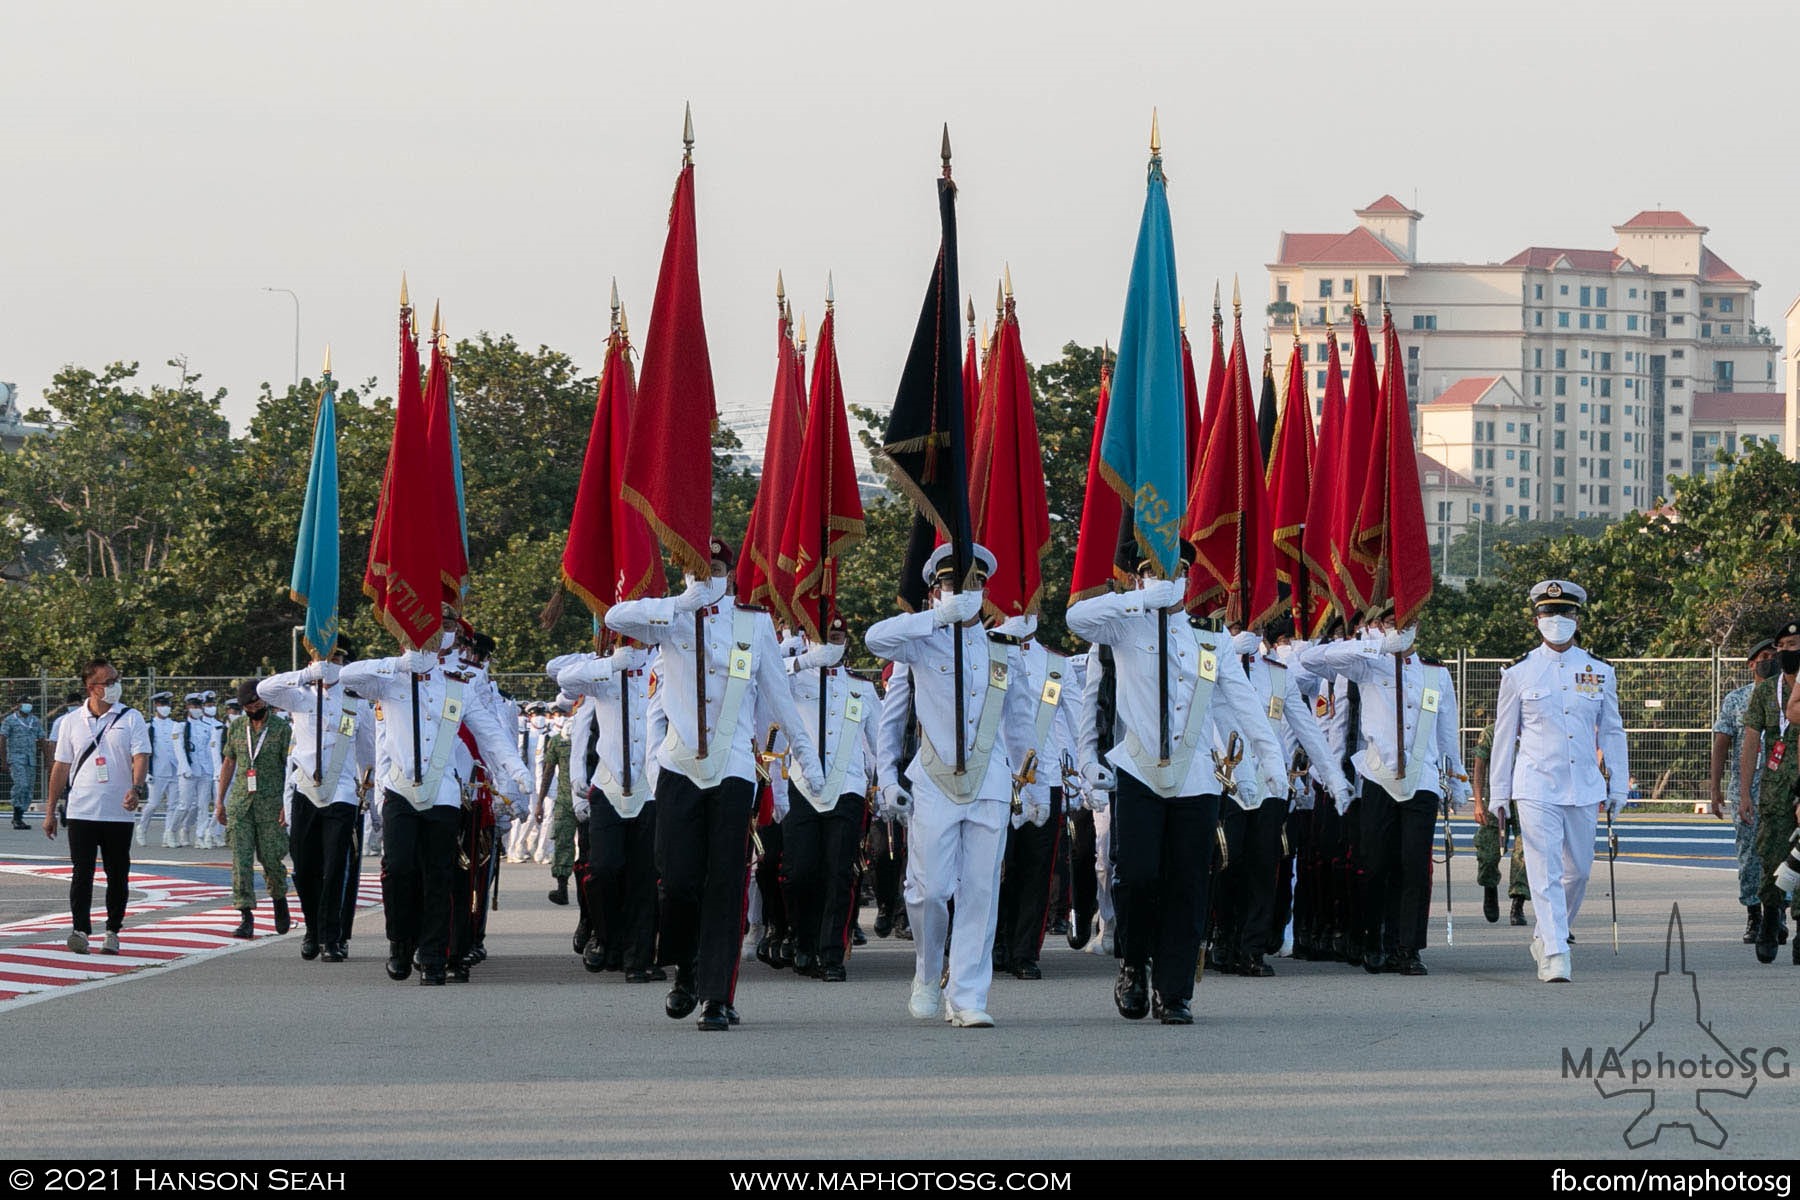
859	769
1360	661
208	831
166	758
197	766
1030	662
1087	749
614	689
385	682
294	693
954	849
1298	728
1556	710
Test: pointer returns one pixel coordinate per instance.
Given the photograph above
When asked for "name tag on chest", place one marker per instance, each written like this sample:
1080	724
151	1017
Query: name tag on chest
740	661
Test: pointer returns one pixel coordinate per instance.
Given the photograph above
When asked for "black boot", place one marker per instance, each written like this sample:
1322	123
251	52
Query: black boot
1518	910
1752	922
884	924
714	1018
593	956
1768	933
309	945
1130	994
681	999
283	922
1490	904
399	963
1256	968
432	976
561	894
768	947
246	928
581	935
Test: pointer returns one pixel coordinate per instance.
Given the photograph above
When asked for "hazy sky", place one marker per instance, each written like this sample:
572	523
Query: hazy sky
164	162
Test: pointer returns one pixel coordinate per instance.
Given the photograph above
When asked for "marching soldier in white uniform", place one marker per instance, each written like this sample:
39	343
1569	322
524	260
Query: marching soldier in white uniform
957	831
195	768
165	765
704	800
326	808
1558	706
1166	808
822	833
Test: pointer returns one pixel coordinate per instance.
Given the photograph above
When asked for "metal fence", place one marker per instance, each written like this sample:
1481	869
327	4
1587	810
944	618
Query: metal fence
1668	705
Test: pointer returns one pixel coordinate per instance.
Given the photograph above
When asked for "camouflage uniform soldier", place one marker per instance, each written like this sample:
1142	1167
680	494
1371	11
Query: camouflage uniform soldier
252	767
554	753
1727	746
1487	841
1771	738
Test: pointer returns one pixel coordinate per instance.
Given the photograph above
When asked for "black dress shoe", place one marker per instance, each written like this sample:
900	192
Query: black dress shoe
309	946
635	975
713	1017
731	1014
459	970
594	957
332	955
857	936
431	977
1175	1012
343	949
246	928
283	922
615	960
1518	911
1375	962
768	950
784	955
478	954
581	935
1411	965
884	925
1080	930
681	999
1490	904
1130	994
1024	968
833	973
658	975
1256	968
804	963
399	963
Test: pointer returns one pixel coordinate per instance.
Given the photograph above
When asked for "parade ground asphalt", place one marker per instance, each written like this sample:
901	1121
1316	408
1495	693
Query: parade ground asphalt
256	1054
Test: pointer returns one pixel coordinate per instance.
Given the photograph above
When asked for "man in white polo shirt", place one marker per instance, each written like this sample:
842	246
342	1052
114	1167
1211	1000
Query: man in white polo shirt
102	757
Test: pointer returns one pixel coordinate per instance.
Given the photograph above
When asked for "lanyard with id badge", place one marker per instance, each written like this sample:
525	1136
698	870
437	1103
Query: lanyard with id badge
250	771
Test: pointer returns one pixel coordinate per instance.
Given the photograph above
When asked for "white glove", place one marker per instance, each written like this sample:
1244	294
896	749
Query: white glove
626	658
1018	818
1343	801
1615	803
1787	877
502	816
1163	593
324	669
894	802
1037	812
584	807
1099	777
1095	800
953	608
419	662
815	780
521	781
700	593
1400	641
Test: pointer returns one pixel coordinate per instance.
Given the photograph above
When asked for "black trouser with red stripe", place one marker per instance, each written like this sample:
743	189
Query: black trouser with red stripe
418	860
622	882
1262	869
702	843
1396	853
818	870
1025	887
321	843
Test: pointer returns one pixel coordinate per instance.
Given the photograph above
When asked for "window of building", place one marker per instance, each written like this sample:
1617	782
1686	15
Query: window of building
1320	319
1674	464
1587	295
1605	494
1349	287
1537	385
1606	387
1557	466
1676	410
1509	508
1537	359
1706	302
1281	293
1675	439
1605	360
1562	385
1725	303
1678	319
1605	441
1631	321
1562	359
1509	427
1678	353
1599	320
1510	456
1584	383
1606	414
1599	297
1319	380
1557	440
1705	329
1561	412
1525	511
1424	321
1626	491
1584	406
1305	352
1606	468
1562	320
1724	330
1537	319
1678	293
1525	433
1584	320
1537	291
1678	383
1631	293
1559	493
1525	491
1584	353
1563	290
1324	289
1524	460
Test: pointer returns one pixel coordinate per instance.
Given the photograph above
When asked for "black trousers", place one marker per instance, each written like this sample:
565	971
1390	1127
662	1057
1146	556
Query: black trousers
887	850
1084	875
818	868
110	841
1262	871
767	873
1162	852
702	844
1228	895
1299	829
622	882
321	841
1024	901
418	857
1396	849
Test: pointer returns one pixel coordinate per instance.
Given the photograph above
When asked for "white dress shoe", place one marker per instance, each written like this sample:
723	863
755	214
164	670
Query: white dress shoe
926	997
972	1018
1556	968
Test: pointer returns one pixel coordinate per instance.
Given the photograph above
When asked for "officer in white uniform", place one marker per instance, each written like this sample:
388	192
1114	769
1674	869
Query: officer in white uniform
165	764
326	806
704	802
1166	810
957	831
196	767
1558	708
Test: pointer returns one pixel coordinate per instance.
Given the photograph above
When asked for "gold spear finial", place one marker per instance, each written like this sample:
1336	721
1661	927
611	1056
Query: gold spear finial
803	333
404	302
615	304
944	150
780	287
687	134
624	326
985	335
830	292
1356	293
436	323
327	358
969	315
1155	134
1237	298
1296	324
1009	290
999	297
1215	300
1183	314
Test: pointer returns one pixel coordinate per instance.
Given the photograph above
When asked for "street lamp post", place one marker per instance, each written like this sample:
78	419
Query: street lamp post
1444	501
296	300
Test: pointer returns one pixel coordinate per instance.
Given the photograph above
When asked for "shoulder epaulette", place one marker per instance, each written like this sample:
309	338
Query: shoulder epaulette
1595	657
1431	662
1004	638
1515	662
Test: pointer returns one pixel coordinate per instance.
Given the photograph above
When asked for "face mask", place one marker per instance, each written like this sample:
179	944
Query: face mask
257	715
162	710
1246	642
1282	651
1557	630
112	693
193	714
1790	661
1767	667
211	710
24	708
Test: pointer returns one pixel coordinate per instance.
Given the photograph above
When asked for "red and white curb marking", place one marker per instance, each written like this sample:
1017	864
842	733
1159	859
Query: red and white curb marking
159	892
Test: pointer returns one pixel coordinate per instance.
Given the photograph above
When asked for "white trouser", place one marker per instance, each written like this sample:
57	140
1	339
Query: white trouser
955	850
519	838
372	831
1559	854
164	791
178	829
1103	862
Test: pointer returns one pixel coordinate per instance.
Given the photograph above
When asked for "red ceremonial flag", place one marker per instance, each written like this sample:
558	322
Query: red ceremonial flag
668	470
1290	494
610	555
781	456
1097	538
1355	578
453	562
1228	513
825	513
1389	537
1321	503
402	579
1012	511
971	379
1215	393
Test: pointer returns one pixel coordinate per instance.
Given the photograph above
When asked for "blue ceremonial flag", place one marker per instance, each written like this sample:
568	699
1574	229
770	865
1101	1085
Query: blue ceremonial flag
315	581
462	513
1144	445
